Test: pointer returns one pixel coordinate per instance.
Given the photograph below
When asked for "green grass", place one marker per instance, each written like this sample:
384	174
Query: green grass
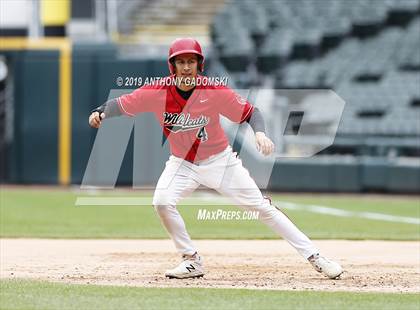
392	205
53	214
24	294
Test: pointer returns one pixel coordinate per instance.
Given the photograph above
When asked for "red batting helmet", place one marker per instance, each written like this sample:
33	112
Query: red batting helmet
184	46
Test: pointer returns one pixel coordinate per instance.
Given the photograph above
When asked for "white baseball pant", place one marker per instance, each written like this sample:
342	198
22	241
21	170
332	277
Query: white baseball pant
225	173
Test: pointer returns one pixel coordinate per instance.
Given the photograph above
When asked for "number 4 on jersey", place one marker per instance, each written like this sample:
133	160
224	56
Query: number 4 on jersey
202	134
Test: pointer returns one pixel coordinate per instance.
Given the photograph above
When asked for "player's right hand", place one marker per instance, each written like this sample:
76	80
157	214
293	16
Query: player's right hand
94	119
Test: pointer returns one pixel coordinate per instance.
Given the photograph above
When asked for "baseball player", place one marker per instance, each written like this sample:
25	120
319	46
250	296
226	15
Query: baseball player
188	109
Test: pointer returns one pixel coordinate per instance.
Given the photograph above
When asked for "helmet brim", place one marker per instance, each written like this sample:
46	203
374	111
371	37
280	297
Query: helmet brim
185	52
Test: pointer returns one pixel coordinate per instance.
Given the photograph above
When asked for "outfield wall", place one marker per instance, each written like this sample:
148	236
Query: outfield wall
52	140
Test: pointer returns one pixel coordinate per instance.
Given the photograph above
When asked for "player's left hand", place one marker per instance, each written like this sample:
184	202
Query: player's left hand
264	144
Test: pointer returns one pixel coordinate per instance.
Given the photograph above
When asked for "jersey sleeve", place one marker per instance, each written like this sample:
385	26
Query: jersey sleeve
142	99
233	106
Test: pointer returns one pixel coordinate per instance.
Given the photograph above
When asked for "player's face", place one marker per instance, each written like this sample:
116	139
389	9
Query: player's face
186	65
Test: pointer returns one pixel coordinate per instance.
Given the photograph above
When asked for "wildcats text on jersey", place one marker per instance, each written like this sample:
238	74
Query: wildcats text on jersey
182	122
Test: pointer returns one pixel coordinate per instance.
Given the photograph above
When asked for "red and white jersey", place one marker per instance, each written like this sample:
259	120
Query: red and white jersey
191	126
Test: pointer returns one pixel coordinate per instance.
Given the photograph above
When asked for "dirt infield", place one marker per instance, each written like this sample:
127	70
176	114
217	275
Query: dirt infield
383	266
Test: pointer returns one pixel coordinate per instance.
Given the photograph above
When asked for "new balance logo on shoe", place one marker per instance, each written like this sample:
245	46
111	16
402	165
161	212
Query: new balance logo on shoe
190	268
